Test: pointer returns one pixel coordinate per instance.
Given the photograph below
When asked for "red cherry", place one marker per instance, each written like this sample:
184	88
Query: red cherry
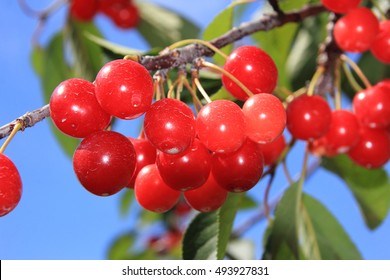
83	10
151	191
209	197
343	132
319	147
186	171
106	6
265	118
340	6
308	117
124	89
145	153
104	162
372	149
380	48
353	34
254	68
241	170
221	126
126	17
271	151
10	185
75	110
372	106
169	125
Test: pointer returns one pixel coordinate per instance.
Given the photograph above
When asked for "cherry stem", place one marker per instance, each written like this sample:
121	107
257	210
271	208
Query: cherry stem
337	97
379	8
351	79
16	128
357	70
317	75
227	74
197	41
266	207
201	89
197	103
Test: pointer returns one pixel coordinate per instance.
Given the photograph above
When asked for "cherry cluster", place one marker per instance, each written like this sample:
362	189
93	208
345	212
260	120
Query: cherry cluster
359	29
124	13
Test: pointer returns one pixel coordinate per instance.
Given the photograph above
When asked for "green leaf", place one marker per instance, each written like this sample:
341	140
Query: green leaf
37	60
248	202
121	248
371	188
222	93
161	27
333	242
282	242
126	200
88	56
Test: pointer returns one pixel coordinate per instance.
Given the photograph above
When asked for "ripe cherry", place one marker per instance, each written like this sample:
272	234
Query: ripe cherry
104	162
83	10
238	171
209	197
271	151
169	125
372	106
308	117
372	149
186	171
265	118
124	89
75	110
145	153
254	68
152	193
126	17
340	6
380	48
10	185
353	34
221	126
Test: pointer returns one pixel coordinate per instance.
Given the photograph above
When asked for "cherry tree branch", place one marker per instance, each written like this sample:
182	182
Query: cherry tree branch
182	56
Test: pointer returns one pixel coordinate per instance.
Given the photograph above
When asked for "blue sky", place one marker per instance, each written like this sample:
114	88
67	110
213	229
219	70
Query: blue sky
57	218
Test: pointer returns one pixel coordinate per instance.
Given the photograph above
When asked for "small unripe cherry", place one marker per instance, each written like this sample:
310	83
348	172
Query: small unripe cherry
10	185
152	193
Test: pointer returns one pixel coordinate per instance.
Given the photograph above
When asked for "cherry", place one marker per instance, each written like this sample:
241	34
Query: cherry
319	147
145	153
353	34
254	68
372	106
124	89
209	197
221	126
126	17
343	132
372	149
340	6
380	48
241	170
308	117
83	10
271	151
169	125
104	162
10	185
75	110
265	118
152	193
187	170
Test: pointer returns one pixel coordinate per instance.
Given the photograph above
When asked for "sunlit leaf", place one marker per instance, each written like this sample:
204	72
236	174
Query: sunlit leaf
126	200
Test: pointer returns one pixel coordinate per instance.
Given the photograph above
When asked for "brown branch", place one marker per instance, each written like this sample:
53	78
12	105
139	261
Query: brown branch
182	56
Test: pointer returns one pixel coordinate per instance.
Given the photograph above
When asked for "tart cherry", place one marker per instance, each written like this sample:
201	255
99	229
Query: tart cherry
265	118
380	48
126	17
10	185
124	89
221	126
254	68
83	10
356	31
372	149
145	153
169	125
208	197
372	106
152	193
238	171
271	151
75	110
104	162
340	6
308	117
186	171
